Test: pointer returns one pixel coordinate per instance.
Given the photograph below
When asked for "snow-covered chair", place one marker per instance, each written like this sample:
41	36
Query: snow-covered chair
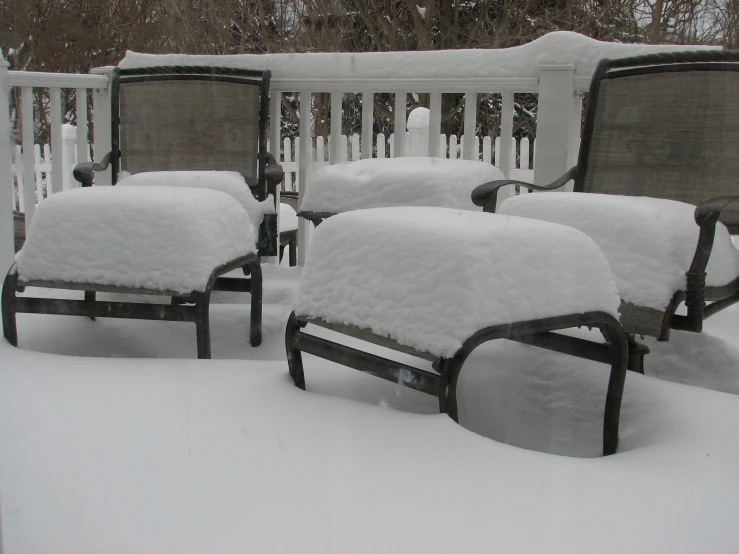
658	169
176	118
386	182
163	241
435	283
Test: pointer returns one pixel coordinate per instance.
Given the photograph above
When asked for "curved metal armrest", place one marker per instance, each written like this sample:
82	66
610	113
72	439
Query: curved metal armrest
84	172
315	217
486	195
709	211
273	172
706	216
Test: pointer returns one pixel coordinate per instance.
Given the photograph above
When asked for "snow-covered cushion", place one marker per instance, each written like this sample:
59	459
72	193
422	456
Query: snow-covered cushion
288	218
230	182
429	278
649	242
374	183
157	238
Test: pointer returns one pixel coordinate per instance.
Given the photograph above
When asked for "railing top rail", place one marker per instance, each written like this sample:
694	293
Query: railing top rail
556	48
444	85
61	80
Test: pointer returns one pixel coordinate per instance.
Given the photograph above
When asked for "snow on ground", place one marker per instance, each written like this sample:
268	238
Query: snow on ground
226	455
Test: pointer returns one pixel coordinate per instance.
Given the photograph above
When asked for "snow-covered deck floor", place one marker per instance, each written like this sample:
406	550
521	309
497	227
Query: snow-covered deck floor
177	455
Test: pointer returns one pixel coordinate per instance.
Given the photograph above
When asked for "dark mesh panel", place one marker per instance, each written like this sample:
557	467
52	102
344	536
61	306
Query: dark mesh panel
189	125
668	135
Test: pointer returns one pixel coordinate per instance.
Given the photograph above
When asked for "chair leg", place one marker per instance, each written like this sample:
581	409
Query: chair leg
90	297
637	351
10	329
449	369
255	324
620	355
293	253
294	357
202	325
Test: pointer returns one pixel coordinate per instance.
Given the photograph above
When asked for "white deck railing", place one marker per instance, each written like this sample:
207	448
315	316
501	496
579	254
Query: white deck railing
558	85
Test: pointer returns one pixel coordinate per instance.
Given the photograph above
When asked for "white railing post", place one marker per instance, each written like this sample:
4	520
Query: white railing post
57	165
470	125
83	150
102	122
368	117
69	156
434	128
507	145
7	230
275	115
28	161
304	140
553	123
573	138
334	145
401	98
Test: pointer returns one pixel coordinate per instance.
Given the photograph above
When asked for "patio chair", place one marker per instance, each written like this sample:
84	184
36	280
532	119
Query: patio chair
436	283
178	118
385	182
660	132
155	241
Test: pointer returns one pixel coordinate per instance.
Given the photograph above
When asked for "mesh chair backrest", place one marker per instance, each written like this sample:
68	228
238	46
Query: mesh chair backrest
666	130
190	122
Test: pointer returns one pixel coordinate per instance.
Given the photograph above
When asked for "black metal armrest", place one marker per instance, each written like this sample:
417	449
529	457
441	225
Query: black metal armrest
84	172
486	195
706	216
710	210
315	217
273	172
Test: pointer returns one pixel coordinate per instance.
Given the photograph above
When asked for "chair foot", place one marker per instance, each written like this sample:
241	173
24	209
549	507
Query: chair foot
294	357
255	318
90	297
637	351
10	329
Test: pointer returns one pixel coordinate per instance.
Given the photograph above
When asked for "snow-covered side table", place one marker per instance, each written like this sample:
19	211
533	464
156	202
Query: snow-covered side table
164	241
379	182
436	283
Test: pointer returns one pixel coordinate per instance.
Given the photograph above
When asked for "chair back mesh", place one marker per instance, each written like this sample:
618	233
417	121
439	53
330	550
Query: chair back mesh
670	134
170	125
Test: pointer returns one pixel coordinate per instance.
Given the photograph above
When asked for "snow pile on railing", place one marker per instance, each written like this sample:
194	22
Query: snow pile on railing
556	48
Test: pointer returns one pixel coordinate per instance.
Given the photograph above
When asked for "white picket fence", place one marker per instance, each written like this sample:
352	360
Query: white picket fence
44	167
487	150
350	150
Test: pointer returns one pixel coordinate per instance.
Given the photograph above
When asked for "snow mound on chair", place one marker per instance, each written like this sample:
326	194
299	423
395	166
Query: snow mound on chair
649	242
157	238
429	278
374	183
230	182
